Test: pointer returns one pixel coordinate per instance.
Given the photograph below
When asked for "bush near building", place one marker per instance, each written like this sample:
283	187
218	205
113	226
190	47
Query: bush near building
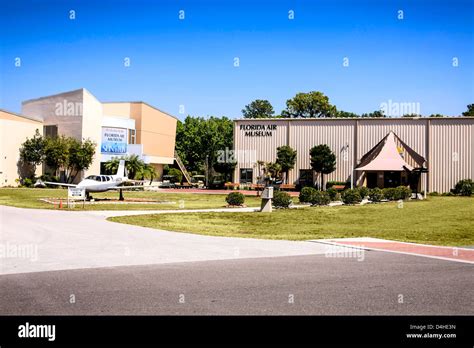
402	192
464	187
389	193
235	198
306	193
320	198
333	194
351	196
281	199
363	191
376	194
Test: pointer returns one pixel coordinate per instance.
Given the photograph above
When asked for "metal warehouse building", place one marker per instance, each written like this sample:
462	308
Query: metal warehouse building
372	152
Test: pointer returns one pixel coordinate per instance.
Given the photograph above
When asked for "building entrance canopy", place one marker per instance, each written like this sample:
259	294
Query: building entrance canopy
385	156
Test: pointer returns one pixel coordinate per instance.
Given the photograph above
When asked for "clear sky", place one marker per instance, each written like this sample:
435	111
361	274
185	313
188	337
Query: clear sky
190	62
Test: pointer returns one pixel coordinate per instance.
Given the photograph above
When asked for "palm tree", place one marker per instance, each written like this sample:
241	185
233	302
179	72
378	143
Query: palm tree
147	172
133	165
111	166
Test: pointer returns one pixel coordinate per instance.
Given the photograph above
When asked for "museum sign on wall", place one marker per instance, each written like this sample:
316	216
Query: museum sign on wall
114	140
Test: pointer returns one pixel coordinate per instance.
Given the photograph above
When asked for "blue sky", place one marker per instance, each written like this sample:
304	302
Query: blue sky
190	62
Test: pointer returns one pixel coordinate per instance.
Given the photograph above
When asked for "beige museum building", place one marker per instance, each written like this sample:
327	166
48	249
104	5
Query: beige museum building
118	128
429	154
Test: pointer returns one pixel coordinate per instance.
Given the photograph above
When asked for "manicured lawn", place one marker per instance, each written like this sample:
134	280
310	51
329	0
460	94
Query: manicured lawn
30	198
438	220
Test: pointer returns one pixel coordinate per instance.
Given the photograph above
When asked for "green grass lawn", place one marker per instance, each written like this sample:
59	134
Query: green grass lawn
438	220
30	198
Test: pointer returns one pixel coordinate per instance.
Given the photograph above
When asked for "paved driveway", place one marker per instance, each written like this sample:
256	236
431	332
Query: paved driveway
34	240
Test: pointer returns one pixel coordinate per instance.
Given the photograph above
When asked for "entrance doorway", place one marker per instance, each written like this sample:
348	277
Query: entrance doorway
371	180
392	179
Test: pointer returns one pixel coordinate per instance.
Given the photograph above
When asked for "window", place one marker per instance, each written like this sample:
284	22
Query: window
306	178
50	131
132	136
246	175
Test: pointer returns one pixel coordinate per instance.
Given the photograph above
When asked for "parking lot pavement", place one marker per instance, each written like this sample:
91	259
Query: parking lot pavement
379	284
36	240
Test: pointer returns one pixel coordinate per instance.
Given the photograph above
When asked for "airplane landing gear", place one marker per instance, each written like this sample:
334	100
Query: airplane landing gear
88	196
121	195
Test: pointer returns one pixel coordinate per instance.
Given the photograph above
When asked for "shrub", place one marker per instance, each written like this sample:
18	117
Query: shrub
178	175
235	198
433	193
447	194
464	187
306	194
389	193
332	193
320	198
363	191
375	194
281	199
27	182
402	192
351	196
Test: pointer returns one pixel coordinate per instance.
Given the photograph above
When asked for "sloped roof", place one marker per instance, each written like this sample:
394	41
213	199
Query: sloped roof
385	156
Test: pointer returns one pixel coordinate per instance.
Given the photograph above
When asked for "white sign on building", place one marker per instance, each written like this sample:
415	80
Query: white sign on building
114	140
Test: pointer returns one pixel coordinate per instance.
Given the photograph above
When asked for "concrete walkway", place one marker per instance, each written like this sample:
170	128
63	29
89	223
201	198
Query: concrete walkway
111	213
35	240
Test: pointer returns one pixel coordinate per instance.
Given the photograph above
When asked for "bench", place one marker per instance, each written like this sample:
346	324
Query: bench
339	187
231	185
288	187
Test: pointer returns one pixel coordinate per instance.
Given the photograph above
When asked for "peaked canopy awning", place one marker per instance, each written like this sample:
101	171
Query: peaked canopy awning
385	157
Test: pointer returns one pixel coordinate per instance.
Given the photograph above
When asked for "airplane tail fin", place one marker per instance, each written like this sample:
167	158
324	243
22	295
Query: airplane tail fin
121	169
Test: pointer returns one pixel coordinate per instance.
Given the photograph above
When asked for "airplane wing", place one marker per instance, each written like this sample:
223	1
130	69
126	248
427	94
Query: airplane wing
58	184
125	188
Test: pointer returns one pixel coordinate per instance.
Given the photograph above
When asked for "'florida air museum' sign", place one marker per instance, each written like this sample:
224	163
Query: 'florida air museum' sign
114	140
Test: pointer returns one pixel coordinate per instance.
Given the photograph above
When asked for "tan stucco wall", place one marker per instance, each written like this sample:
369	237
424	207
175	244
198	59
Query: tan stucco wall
116	109
155	129
92	128
14	130
157	132
49	108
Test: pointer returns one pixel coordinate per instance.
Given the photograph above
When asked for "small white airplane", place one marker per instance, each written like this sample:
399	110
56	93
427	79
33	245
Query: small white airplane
100	183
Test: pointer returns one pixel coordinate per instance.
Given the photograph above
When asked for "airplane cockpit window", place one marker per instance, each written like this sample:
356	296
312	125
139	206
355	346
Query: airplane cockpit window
93	177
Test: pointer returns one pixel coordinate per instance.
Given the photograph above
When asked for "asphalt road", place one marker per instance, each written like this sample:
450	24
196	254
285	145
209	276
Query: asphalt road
381	283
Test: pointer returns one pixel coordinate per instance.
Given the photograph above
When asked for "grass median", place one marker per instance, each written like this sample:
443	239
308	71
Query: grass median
31	198
438	221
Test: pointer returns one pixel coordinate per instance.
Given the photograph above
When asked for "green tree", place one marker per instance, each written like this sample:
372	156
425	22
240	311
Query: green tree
200	141
135	166
346	114
323	161
376	113
437	115
470	110
258	109
272	170
147	171
56	152
309	105
32	151
411	115
286	158
81	155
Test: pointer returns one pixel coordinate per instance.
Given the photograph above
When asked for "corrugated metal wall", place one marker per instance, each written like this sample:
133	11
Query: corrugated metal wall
449	151
337	134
